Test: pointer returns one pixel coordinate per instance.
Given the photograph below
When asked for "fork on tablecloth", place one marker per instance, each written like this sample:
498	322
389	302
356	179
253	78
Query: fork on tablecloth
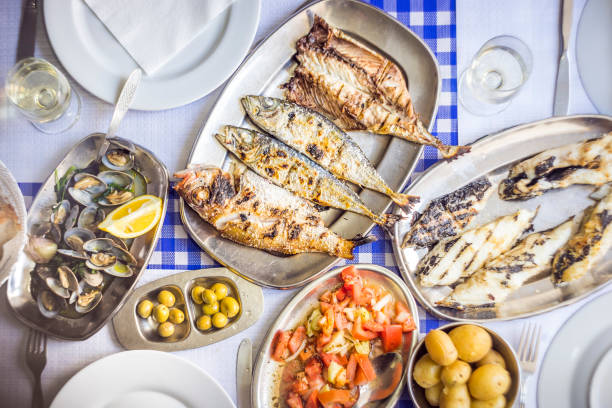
528	355
36	359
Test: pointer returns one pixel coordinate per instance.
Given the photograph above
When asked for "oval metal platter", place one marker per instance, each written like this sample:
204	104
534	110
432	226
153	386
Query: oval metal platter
270	65
18	289
133	332
492	156
267	372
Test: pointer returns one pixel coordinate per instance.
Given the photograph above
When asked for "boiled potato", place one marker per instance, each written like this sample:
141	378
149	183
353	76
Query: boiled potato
499	402
440	347
492	357
489	381
426	373
472	342
456	373
455	397
432	394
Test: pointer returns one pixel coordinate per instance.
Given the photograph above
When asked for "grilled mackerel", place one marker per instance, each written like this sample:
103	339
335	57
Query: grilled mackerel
362	90
493	283
448	215
323	142
458	257
287	168
249	210
588	246
588	162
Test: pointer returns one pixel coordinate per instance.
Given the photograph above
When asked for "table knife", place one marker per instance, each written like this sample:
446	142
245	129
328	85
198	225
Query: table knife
561	102
244	368
27	29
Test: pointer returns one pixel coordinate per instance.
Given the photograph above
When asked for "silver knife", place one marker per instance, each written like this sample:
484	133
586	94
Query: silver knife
244	368
562	89
27	30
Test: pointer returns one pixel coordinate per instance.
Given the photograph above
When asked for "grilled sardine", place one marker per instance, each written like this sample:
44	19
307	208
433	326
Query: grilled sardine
493	283
448	215
315	136
588	162
287	168
344	79
251	211
461	256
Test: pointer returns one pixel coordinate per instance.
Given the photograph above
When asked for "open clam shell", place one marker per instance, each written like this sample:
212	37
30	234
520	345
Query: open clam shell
75	238
90	217
120	186
118	159
56	287
91	277
120	269
87	301
67	278
71	219
49	305
86	188
60	212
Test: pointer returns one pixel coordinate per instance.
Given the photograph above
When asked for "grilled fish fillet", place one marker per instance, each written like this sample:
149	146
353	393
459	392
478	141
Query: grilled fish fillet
362	90
287	168
448	215
588	162
493	283
457	257
249	210
323	142
592	241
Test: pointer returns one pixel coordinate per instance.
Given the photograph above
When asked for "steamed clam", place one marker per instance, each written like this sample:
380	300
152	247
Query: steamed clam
90	217
118	159
49	304
119	188
87	301
67	278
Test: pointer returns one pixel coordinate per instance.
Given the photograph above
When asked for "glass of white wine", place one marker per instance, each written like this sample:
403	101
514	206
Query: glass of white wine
496	74
43	95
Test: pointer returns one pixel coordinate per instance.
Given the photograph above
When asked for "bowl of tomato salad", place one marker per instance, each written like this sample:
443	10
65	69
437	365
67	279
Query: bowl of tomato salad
319	351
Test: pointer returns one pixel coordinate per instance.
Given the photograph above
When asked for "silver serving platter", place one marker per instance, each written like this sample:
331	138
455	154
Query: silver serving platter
492	156
134	332
267	372
18	288
270	65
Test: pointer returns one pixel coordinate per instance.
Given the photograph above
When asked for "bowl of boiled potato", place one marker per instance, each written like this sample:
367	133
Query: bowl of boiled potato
463	366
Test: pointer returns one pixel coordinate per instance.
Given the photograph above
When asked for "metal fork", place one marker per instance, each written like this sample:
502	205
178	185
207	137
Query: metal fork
36	359
528	355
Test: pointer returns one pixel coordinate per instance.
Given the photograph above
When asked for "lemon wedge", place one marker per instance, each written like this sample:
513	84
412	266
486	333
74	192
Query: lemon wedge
134	218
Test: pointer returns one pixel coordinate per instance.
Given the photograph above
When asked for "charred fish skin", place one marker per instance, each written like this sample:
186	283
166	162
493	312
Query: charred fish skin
315	136
448	215
287	168
592	241
251	211
588	162
457	257
343	78
499	278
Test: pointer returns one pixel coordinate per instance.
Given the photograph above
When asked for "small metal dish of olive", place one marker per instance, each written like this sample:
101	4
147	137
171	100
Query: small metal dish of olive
218	308
165	314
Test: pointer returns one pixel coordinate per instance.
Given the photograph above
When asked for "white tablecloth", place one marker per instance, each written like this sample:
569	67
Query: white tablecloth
31	156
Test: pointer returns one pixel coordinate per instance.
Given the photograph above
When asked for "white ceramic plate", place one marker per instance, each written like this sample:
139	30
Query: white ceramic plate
601	393
594	53
142	378
575	354
93	57
11	194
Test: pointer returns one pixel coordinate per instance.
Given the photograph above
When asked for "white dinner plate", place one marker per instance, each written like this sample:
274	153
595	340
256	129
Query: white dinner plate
90	53
601	392
142	378
574	355
594	53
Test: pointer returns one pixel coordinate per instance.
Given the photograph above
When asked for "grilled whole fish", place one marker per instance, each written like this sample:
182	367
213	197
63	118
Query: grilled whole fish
448	215
249	210
315	136
457	257
287	168
588	162
494	282
588	246
362	90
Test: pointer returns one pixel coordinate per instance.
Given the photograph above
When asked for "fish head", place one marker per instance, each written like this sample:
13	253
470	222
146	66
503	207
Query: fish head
261	107
240	141
203	184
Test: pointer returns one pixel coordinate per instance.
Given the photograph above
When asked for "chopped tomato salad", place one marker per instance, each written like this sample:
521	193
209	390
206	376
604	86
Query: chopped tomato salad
331	354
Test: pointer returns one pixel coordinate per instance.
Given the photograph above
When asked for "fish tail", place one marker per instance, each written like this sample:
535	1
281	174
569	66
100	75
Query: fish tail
404	201
452	152
346	246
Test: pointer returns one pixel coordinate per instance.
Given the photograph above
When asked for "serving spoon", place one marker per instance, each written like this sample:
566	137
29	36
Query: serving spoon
388	368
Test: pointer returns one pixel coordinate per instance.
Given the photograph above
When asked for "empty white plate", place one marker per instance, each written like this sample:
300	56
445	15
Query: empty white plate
601	383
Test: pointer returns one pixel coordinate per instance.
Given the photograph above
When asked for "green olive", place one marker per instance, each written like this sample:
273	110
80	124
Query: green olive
204	322
160	313
219	320
145	308
165	297
210	309
209	297
166	329
230	307
176	316
220	290
196	294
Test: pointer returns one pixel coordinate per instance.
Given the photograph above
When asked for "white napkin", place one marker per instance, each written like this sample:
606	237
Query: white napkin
153	31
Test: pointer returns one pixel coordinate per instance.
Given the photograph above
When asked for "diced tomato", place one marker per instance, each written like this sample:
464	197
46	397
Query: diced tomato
404	317
341	294
340	320
366	366
353	284
300	386
351	366
359	333
328	326
326	297
391	337
306	353
327	358
297	338
381	318
313	369
360	378
325	306
350	275
335	396
294	400
341	359
279	345
312	401
371	325
322	340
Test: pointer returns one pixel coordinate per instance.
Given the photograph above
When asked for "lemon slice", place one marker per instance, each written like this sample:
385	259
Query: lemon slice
134	218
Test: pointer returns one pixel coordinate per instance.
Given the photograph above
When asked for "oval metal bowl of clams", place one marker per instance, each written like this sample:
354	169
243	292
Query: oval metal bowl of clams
72	277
